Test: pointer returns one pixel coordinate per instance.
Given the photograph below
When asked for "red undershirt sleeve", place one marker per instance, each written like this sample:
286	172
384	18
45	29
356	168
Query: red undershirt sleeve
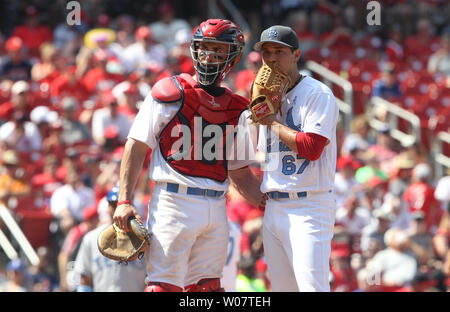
310	145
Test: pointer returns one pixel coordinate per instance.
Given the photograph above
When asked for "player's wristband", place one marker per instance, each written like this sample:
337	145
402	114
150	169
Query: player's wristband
123	202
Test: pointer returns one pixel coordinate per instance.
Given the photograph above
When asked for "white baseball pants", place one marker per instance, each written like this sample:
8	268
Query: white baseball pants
297	237
189	237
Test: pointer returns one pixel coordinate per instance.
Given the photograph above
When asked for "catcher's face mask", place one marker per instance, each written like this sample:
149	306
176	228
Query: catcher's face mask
216	46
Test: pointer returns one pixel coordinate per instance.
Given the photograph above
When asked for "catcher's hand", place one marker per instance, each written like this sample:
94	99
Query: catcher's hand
268	90
122	246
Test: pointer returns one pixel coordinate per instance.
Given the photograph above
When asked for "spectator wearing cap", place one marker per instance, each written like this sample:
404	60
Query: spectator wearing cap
419	197
100	274
71	246
73	132
109	117
21	134
100	78
45	119
16	66
344	179
20	101
127	95
344	277
164	30
395	264
387	87
12	183
16	277
144	50
245	77
32	32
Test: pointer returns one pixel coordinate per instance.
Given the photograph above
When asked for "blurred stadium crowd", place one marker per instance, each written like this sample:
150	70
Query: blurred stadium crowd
68	96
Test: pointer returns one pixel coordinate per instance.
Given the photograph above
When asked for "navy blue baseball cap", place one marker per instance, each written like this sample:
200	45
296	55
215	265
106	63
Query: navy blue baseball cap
16	265
113	194
283	35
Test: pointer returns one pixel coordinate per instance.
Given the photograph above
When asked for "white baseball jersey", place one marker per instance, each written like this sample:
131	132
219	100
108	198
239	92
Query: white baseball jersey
309	107
108	275
149	122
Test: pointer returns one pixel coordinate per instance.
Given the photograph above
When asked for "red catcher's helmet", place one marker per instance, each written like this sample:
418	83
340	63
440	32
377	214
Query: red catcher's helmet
220	31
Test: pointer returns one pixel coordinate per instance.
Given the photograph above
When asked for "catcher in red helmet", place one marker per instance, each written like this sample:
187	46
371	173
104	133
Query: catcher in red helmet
187	217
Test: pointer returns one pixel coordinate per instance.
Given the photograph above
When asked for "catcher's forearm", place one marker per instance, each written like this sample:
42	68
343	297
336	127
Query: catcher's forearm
130	167
247	184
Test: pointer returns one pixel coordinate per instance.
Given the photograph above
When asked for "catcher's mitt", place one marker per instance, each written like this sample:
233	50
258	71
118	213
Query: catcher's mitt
269	87
122	246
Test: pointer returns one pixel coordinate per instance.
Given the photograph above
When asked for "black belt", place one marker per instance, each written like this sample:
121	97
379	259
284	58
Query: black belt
174	188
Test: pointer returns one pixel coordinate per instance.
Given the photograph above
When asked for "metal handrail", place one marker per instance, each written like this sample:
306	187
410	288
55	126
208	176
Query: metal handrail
329	77
396	112
18	235
7	247
440	158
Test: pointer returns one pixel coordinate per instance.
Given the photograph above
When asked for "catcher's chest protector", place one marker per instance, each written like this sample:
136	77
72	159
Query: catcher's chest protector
202	114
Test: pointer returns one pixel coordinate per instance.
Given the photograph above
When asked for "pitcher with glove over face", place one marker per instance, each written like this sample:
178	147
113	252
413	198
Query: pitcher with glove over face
299	144
268	90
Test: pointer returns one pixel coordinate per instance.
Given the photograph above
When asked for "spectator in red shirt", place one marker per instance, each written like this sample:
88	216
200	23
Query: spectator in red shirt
20	101
68	85
31	32
344	277
99	78
394	45
419	197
